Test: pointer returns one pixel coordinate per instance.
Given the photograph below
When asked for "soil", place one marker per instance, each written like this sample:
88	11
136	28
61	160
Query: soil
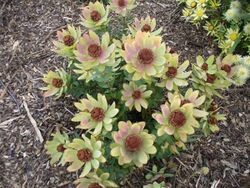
26	31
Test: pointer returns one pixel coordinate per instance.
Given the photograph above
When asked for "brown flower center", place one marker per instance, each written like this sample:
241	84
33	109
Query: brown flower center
121	3
172	51
60	148
97	114
212	120
172	72
68	40
160	179
136	94
211	78
133	143
84	155
226	68
95	50
204	66
94	185
95	16
146	28
177	119
185	101
146	56
57	82
123	47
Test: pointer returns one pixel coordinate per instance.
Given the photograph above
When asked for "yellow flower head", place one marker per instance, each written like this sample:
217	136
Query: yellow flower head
199	14
232	34
191	4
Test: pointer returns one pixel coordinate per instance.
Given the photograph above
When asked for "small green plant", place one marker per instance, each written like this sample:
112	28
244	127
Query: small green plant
158	175
155	185
136	100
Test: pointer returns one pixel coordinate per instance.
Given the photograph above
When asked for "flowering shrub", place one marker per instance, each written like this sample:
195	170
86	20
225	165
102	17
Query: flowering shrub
227	21
136	99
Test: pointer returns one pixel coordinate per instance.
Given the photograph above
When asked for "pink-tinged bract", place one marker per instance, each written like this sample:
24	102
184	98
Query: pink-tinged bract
226	65
132	144
122	7
174	74
176	119
95	16
86	153
57	83
95	114
135	96
93	53
66	41
145	56
145	25
191	96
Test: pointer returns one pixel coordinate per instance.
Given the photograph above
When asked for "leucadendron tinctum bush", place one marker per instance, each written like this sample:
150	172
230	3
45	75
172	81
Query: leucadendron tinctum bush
134	99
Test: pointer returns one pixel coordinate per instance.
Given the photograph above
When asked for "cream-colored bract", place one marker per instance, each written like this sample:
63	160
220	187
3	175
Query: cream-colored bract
145	56
86	153
135	96
66	41
145	25
56	147
94	53
174	74
57	83
122	7
95	16
141	143
176	119
95	114
97	179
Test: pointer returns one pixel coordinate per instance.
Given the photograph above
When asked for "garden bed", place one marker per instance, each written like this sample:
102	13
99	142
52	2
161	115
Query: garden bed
27	29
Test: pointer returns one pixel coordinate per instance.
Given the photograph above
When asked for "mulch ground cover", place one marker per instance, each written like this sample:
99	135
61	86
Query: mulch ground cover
26	30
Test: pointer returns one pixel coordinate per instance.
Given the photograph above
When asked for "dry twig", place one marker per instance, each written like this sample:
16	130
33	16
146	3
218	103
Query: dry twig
33	122
5	123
